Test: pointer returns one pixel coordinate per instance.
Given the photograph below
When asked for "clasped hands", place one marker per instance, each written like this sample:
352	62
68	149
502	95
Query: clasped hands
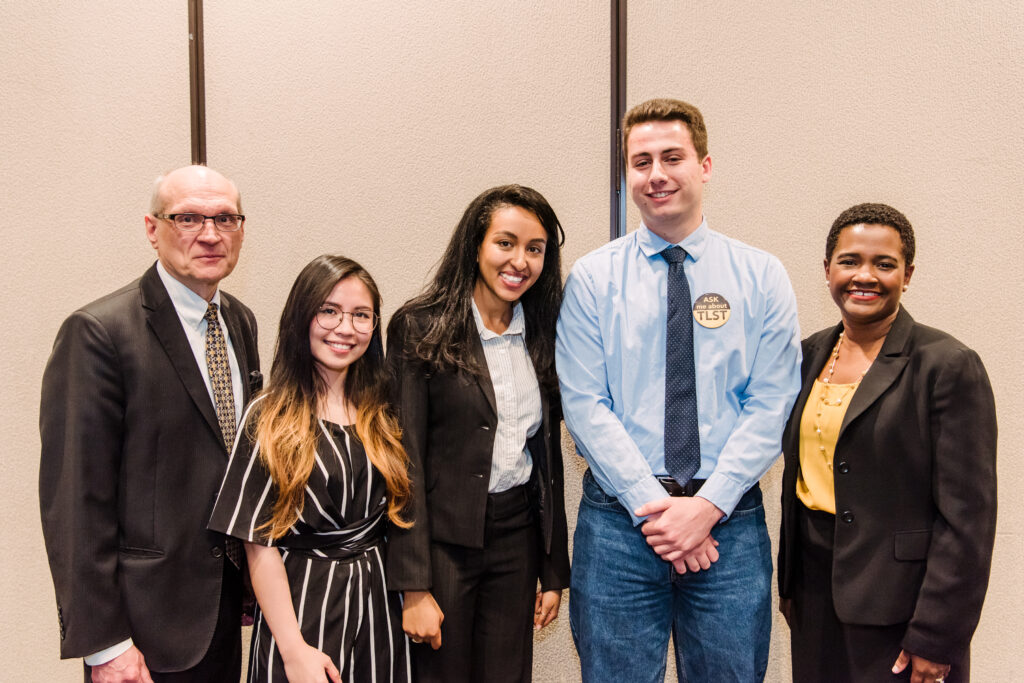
679	530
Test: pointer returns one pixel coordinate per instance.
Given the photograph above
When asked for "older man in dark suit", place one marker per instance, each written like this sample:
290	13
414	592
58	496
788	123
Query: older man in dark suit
140	403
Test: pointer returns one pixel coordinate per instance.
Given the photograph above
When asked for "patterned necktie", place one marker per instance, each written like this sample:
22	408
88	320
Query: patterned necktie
223	400
220	376
682	434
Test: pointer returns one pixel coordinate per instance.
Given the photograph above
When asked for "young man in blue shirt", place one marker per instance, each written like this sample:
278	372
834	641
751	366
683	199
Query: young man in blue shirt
678	357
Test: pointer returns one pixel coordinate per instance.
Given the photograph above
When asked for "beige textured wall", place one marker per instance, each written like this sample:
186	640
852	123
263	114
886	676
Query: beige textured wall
366	128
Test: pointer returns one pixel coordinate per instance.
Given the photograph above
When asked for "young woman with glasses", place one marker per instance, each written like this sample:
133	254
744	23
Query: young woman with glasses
316	475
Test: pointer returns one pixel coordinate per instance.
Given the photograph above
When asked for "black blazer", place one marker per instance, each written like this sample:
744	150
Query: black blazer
132	459
915	484
448	423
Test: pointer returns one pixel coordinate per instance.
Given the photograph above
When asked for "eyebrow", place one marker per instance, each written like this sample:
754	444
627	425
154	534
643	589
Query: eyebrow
841	254
506	233
667	150
336	305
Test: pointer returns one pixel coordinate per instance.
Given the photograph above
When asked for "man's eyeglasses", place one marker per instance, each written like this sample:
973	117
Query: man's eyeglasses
192	222
329	317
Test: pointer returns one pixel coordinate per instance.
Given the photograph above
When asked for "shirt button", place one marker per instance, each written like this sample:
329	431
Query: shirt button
217	551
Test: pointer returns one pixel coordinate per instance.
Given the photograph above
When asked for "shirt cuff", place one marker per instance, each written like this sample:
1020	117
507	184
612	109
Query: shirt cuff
104	656
723	492
644	491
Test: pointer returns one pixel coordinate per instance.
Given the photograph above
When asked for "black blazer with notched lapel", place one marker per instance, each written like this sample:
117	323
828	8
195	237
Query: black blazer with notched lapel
132	459
915	485
448	421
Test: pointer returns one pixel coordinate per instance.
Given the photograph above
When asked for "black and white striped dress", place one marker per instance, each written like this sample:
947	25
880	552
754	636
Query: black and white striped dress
332	555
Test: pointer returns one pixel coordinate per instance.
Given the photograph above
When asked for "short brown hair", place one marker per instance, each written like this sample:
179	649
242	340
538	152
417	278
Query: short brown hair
664	109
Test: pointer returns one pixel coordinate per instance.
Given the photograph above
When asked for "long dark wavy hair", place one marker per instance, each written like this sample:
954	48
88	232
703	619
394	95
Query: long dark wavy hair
438	325
286	427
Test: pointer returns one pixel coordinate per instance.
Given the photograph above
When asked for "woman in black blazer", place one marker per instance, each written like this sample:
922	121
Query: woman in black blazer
476	393
889	491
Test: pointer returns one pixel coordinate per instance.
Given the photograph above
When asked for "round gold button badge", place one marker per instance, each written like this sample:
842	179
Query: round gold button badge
711	310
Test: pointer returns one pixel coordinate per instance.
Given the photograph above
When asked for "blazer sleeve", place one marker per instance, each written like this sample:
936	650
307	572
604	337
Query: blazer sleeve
554	570
963	425
80	427
408	564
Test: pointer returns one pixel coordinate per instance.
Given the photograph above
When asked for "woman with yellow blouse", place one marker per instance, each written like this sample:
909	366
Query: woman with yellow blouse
889	492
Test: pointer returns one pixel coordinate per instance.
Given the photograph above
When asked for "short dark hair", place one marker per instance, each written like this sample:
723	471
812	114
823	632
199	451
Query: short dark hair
873	214
665	109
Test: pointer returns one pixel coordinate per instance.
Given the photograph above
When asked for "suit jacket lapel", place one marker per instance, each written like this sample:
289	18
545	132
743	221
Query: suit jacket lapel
484	378
166	324
883	372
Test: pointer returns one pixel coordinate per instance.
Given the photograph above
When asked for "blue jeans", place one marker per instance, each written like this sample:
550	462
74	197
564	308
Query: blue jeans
625	600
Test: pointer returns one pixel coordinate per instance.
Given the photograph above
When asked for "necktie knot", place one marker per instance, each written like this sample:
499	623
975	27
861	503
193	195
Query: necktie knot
674	255
211	313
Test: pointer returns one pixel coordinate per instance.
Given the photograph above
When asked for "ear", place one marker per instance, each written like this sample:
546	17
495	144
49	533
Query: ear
908	271
151	230
705	166
825	263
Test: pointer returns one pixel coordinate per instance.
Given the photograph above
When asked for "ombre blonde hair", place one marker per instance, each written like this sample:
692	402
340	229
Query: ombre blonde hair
287	427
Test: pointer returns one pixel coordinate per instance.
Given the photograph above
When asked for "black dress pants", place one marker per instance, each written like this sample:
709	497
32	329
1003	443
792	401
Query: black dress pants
222	662
824	649
487	596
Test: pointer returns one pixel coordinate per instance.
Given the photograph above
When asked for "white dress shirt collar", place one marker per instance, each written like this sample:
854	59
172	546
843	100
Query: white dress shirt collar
517	326
190	306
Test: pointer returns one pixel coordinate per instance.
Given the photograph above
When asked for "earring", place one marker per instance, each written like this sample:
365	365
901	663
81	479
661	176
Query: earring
904	288
827	283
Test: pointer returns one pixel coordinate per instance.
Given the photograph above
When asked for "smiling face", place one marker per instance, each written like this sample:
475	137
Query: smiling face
335	350
867	273
666	178
199	260
510	259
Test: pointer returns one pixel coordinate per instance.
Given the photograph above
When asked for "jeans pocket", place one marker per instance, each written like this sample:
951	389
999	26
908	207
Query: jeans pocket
747	512
751	503
594	495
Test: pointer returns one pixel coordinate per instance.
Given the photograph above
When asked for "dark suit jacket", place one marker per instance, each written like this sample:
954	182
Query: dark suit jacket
132	459
448	422
915	484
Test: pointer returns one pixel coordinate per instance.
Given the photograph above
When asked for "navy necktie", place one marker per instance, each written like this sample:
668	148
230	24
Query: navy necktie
682	434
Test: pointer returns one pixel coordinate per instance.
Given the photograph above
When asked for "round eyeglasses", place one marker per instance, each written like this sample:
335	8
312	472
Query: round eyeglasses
329	317
192	222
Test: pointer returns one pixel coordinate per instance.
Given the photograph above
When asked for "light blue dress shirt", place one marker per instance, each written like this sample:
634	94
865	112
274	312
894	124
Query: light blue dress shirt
610	355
